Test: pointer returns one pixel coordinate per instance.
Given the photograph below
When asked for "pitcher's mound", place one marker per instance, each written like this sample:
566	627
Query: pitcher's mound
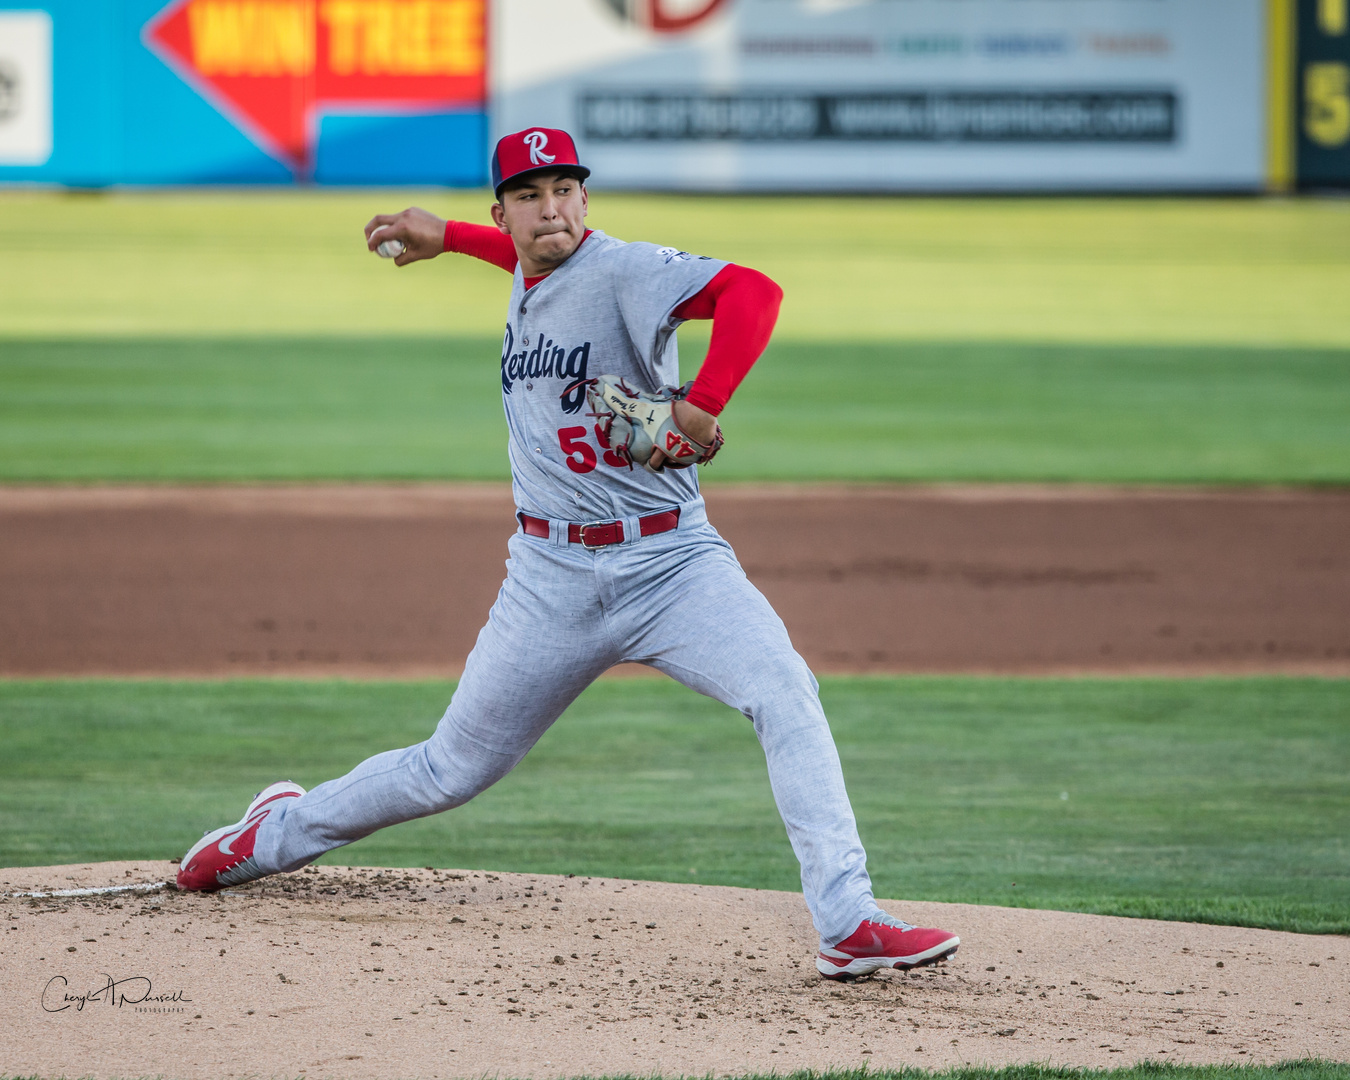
363	972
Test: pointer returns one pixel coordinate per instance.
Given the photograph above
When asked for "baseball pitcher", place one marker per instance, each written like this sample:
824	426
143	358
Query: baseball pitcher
614	559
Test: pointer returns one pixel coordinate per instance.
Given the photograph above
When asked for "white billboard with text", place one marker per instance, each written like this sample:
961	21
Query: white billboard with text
892	94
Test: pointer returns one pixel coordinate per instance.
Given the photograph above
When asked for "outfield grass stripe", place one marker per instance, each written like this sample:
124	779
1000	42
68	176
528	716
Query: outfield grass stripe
262	263
428	408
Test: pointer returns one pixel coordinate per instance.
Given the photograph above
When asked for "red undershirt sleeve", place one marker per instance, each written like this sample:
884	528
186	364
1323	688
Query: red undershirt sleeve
482	242
743	305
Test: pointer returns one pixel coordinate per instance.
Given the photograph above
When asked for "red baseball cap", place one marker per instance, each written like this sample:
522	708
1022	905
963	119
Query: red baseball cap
534	150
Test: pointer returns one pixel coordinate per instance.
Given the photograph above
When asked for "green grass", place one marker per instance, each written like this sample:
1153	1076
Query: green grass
248	335
1210	800
264	263
423	408
224	410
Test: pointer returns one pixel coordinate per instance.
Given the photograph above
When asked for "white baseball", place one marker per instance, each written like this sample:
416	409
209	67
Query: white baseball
390	249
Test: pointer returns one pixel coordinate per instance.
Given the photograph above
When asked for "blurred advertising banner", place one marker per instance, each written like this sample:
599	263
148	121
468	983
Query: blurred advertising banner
25	87
240	91
893	94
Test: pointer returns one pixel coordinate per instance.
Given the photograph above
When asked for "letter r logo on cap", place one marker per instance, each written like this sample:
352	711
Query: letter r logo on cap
536	141
535	150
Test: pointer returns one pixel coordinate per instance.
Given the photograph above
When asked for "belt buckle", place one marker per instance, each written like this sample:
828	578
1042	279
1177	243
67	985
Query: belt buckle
596	525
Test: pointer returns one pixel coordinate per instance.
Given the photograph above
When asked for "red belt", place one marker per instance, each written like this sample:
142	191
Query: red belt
597	534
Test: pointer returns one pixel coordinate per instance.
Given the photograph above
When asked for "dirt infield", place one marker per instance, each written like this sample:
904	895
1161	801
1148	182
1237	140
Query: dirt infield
399	973
389	580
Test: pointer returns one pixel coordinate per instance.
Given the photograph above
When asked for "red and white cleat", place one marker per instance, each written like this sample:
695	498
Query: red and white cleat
880	944
225	856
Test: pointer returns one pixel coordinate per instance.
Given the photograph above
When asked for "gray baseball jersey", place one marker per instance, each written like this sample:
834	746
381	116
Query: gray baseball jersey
605	311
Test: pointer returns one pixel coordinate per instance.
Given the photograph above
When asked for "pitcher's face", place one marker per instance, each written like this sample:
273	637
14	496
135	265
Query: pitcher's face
545	215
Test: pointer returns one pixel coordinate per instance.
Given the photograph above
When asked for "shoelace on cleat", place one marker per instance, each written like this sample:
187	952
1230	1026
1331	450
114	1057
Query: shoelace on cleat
882	919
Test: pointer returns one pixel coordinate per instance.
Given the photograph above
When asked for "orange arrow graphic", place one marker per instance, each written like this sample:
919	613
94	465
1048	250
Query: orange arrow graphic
272	66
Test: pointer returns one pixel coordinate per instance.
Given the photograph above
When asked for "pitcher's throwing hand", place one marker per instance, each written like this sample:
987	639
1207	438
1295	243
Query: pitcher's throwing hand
422	234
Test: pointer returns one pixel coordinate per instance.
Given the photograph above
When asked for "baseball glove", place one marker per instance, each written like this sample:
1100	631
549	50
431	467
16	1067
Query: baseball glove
632	423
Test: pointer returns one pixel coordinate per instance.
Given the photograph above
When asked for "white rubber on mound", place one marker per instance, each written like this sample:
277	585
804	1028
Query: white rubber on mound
149	886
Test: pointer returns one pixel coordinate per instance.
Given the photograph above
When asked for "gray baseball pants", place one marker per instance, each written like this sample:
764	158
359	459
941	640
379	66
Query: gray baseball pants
677	601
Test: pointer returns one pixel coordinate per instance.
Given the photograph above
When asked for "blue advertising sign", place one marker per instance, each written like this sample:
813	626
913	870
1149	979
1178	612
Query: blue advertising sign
98	92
